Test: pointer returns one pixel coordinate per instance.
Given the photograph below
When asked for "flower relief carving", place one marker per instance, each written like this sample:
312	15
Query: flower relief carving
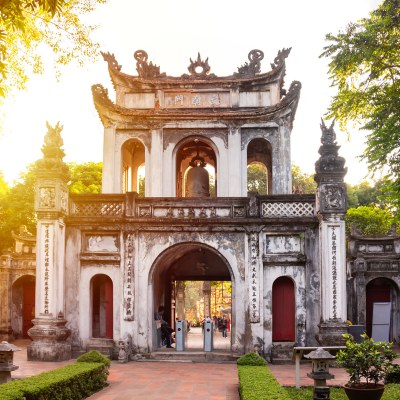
47	197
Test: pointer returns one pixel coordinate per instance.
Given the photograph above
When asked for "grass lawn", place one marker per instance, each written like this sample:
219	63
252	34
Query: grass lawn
392	392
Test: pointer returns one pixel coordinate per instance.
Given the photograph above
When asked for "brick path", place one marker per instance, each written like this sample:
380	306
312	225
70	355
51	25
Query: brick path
156	380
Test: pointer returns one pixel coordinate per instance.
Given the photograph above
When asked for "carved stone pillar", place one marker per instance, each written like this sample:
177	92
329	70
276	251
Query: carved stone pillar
49	333
331	209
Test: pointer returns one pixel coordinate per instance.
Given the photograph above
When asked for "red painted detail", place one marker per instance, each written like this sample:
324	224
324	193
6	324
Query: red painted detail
283	310
376	292
109	308
102	307
28	307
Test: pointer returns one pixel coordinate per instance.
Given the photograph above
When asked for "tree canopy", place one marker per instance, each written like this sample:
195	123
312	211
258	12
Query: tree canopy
30	28
17	202
365	68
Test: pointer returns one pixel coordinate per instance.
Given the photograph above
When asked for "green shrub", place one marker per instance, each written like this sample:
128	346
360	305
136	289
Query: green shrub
94	357
251	359
258	383
393	374
73	382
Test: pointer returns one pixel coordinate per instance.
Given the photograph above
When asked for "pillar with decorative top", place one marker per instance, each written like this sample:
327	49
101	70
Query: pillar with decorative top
331	208
49	333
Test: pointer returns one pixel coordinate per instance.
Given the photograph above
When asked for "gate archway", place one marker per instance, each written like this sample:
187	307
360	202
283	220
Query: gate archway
185	262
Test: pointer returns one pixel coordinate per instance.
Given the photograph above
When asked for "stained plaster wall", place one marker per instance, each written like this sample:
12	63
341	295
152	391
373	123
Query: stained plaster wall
149	247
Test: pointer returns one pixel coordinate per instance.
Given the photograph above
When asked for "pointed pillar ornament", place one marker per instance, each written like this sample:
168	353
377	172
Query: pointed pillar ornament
331	209
49	333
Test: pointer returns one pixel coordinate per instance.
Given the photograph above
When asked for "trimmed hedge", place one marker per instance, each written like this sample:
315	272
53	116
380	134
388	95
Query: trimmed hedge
251	359
73	382
94	357
258	383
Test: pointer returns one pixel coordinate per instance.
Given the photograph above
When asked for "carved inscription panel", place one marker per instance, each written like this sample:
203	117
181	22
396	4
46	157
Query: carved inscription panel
196	99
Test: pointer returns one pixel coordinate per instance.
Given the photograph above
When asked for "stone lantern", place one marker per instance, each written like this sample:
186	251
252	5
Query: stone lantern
6	361
320	372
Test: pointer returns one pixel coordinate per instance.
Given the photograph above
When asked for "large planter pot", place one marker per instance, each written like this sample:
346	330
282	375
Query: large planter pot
364	391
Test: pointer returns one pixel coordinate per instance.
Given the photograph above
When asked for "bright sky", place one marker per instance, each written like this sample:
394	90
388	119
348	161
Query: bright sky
172	32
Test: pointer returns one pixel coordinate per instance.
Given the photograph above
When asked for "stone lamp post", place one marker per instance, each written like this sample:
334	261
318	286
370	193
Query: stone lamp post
6	361
320	372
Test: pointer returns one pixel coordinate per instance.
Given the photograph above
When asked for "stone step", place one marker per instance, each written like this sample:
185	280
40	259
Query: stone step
192	356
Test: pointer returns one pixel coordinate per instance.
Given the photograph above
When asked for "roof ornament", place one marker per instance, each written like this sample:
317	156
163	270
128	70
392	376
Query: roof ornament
145	69
112	62
254	67
328	134
280	58
199	69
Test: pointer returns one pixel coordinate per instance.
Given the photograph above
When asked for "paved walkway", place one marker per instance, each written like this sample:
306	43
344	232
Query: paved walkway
161	380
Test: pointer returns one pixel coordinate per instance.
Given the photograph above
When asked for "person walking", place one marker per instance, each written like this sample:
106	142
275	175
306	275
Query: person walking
223	326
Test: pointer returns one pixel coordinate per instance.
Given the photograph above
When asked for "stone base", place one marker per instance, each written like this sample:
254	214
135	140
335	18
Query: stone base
49	336
45	351
331	333
281	352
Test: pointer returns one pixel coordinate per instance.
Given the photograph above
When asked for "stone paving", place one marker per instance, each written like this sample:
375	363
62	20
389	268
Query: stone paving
156	380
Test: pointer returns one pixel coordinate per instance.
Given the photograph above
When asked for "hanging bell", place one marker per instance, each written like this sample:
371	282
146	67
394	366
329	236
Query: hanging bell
197	179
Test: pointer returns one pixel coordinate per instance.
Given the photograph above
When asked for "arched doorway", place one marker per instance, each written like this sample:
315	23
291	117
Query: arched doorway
184	263
133	169
382	290
102	306
259	166
23	305
283	310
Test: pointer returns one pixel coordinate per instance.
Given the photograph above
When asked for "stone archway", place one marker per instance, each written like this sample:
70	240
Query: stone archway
185	262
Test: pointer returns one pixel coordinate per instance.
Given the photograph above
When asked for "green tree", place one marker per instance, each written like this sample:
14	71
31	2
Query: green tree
257	178
365	194
30	28
365	68
369	220
4	188
86	177
17	204
302	182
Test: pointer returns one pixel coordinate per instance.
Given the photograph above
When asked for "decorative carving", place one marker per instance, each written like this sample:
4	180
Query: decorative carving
145	69
333	197
203	213
129	278
253	206
254	290
330	166
199	69
52	161
292	209
254	67
47	197
280	58
82	208
111	61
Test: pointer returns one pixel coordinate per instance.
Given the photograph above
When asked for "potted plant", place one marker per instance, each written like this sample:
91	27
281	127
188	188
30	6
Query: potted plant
367	363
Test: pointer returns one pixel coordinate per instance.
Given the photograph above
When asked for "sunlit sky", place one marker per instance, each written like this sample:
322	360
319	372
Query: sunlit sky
172	32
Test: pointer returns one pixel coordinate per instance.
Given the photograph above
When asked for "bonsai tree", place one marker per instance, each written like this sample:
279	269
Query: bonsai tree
367	362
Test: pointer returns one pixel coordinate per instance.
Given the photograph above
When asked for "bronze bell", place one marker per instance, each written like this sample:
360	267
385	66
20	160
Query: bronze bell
197	179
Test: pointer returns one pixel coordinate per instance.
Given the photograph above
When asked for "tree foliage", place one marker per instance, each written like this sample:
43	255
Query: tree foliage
17	203
86	177
365	68
369	220
366	194
257	178
302	183
30	28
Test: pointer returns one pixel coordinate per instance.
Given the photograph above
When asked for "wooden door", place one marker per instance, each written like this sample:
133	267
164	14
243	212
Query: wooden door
283	310
378	291
28	307
109	308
